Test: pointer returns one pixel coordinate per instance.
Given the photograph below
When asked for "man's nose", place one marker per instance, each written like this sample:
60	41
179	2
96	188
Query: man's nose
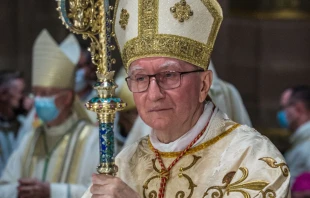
154	91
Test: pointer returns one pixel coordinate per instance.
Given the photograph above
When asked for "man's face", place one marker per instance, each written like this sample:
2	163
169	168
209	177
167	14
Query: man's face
160	108
289	108
63	96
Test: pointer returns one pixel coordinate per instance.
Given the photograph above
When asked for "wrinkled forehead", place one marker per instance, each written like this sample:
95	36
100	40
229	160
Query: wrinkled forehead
157	63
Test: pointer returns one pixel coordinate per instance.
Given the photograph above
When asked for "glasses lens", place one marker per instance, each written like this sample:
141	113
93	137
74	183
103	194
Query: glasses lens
168	80
138	83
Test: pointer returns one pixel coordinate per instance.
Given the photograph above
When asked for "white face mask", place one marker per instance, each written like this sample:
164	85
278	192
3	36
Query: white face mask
80	82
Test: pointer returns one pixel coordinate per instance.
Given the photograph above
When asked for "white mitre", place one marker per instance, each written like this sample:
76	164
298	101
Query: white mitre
51	67
71	48
181	29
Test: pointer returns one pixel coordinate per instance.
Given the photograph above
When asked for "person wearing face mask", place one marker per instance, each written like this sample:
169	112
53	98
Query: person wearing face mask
84	80
14	106
295	116
56	159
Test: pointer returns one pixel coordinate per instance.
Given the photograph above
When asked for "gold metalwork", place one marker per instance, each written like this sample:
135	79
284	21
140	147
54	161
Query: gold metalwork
91	19
274	164
107	168
124	19
197	148
181	11
79	146
163	173
149	43
239	186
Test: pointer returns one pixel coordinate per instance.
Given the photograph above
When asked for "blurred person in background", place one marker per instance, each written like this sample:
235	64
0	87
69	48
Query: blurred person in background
295	115
14	106
57	158
301	186
125	119
85	77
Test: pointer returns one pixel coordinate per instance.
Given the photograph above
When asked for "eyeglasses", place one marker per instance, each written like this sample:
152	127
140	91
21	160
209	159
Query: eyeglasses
165	80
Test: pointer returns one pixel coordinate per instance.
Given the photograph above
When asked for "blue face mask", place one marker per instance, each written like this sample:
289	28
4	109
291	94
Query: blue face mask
282	119
46	108
80	82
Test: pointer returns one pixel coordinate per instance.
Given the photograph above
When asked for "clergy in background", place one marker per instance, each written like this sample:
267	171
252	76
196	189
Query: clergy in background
56	159
194	150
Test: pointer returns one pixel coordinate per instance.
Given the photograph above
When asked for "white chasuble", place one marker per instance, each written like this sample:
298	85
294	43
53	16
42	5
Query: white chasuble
229	160
65	156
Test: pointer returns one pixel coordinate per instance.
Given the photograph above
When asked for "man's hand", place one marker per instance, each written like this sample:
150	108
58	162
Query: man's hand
106	186
33	188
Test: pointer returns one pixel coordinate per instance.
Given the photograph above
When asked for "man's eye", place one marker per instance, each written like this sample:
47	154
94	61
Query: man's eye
140	78
169	75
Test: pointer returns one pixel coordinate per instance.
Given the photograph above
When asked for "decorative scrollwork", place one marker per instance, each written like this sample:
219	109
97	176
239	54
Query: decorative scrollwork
179	194
181	11
274	164
91	19
269	194
239	186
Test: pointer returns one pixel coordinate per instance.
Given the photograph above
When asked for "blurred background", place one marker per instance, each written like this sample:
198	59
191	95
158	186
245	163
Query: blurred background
263	46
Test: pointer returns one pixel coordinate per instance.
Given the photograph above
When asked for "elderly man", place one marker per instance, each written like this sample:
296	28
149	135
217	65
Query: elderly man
295	115
194	150
53	160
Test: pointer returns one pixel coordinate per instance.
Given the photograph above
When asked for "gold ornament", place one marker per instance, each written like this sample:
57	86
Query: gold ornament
181	11
124	19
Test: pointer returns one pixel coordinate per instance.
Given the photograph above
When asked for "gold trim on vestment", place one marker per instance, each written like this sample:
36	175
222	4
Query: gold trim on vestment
63	146
35	146
274	164
196	148
239	186
77	153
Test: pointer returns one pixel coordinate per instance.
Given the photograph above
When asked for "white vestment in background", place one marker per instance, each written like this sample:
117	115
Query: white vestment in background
68	168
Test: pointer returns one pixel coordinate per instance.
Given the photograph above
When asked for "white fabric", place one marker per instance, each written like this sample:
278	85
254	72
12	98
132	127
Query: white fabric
181	143
169	25
71	48
216	166
8	143
297	156
88	160
227	98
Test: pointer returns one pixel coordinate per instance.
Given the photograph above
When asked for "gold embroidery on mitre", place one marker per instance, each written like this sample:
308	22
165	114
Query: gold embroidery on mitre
124	19
181	11
166	174
149	43
240	186
274	164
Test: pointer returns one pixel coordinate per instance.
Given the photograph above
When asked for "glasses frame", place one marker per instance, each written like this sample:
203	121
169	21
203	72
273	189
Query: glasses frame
154	75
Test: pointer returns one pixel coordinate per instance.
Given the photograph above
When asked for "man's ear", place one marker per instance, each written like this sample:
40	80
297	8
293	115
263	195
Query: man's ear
206	82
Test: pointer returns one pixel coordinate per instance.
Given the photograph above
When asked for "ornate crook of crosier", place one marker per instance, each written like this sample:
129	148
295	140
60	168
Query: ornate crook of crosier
93	19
